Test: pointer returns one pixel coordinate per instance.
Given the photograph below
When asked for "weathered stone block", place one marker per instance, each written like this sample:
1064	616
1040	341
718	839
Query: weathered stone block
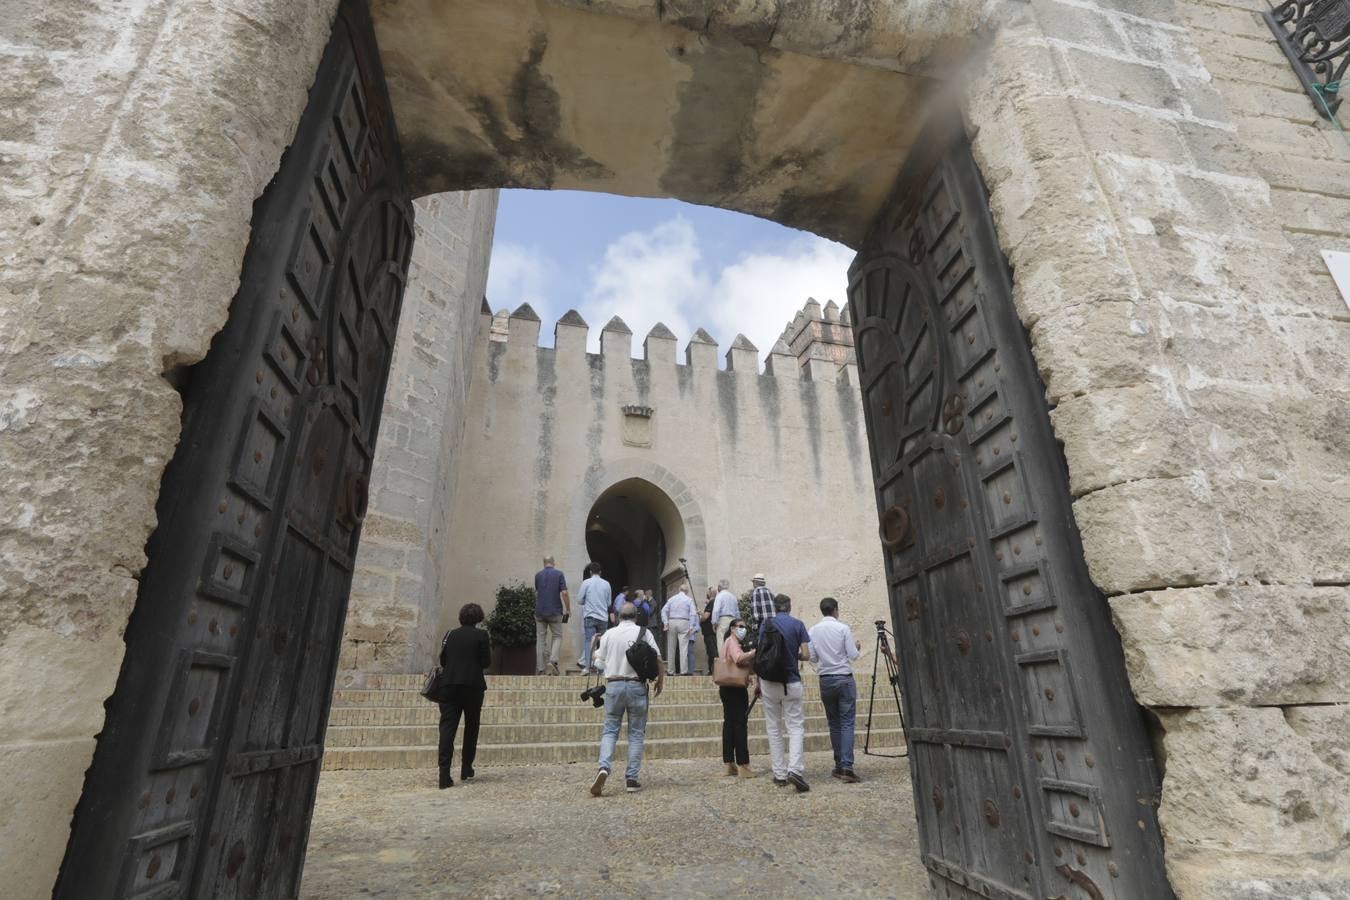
1231	644
1122	434
1154	533
1090	346
1247	797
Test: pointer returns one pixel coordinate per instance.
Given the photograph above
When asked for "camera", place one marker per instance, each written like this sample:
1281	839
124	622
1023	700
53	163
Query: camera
594	694
881	625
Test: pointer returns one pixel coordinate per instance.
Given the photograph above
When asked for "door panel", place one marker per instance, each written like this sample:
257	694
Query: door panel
204	778
1032	772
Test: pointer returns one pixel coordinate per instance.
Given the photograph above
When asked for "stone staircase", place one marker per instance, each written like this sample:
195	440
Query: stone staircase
381	722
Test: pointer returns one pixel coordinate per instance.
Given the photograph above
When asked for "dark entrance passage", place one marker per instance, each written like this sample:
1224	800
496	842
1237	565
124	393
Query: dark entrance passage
635	533
1031	769
204	777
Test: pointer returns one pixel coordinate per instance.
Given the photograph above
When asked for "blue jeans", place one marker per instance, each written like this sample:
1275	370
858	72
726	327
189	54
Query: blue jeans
589	629
621	697
839	693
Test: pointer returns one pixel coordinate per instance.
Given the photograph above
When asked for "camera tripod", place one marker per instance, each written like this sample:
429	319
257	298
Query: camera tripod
883	650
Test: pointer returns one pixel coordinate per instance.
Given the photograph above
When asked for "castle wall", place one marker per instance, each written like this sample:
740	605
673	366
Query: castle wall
393	614
770	472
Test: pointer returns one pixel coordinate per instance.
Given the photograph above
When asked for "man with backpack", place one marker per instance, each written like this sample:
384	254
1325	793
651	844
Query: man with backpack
783	645
629	657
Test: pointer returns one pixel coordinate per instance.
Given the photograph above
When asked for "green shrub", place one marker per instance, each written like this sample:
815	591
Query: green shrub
511	624
745	607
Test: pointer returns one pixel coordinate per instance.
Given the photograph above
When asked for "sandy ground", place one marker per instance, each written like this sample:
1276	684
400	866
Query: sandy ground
517	832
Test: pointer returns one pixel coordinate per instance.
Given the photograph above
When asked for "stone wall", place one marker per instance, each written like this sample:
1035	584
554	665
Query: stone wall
134	139
769	472
394	611
1161	186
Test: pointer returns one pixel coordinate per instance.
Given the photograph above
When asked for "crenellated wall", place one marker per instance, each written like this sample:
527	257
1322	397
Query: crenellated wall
768	469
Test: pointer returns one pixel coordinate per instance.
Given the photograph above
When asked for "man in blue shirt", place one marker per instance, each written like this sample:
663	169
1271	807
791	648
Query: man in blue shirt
833	649
784	707
552	606
594	598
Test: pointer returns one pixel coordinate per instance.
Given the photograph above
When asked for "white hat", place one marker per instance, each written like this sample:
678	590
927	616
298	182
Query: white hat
759	576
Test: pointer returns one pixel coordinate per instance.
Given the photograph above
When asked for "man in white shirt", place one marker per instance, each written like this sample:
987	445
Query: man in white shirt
679	615
726	609
833	649
625	692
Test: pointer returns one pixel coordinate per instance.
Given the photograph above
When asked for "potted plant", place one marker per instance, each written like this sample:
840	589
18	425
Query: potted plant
511	627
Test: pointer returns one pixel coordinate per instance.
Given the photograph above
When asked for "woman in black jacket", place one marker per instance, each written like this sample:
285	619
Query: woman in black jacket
465	653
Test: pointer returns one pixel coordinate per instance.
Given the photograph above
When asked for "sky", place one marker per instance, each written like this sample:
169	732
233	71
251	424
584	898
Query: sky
650	261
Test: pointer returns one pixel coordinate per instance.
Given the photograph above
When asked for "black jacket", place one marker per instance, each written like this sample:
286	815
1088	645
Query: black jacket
465	653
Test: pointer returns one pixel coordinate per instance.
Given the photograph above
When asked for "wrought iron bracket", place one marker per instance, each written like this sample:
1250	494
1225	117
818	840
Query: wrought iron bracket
1315	38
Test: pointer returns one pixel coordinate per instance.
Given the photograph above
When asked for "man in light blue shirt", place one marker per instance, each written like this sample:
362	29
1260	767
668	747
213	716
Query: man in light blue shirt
833	649
726	608
679	615
594	598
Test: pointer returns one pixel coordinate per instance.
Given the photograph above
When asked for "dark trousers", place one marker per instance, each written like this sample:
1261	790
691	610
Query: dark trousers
710	644
468	701
735	728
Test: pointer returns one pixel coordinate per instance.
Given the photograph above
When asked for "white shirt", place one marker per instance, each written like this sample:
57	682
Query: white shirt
832	647
726	604
679	607
613	649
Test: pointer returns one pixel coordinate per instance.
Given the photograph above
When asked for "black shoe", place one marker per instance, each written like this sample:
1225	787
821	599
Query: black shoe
446	780
466	776
779	782
798	782
632	786
837	773
598	786
849	777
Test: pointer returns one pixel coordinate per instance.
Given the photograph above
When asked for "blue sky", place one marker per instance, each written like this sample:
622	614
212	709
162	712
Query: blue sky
656	260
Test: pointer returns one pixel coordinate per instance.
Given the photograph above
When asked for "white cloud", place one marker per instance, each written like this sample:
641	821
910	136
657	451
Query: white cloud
518	274
760	292
659	275
648	277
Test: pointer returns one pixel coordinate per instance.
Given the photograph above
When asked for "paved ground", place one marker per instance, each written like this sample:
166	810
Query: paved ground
537	832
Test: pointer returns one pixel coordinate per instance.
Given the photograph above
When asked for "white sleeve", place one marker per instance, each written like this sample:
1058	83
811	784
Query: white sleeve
850	645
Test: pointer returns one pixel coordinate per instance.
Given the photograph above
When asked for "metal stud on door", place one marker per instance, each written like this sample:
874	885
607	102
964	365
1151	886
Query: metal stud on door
1033	776
204	778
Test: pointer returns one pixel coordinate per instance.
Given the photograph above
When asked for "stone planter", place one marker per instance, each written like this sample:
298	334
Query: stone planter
512	661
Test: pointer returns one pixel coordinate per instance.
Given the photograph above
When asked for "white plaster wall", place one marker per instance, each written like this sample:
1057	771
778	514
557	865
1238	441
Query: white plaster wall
770	473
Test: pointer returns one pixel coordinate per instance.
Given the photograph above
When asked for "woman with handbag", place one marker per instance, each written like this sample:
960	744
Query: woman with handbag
460	687
734	680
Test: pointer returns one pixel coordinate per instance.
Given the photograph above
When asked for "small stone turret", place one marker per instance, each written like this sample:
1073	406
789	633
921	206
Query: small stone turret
821	339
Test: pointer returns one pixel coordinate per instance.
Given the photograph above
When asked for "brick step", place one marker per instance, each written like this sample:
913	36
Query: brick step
704	691
581	751
534	733
413	681
577	712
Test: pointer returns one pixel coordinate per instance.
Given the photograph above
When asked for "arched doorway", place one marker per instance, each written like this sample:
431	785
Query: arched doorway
636	534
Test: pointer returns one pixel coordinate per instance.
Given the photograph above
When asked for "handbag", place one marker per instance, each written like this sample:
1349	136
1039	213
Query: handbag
726	674
431	682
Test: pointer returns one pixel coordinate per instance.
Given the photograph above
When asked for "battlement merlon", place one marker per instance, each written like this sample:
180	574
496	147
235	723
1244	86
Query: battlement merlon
570	333
701	351
522	329
616	340
743	356
658	348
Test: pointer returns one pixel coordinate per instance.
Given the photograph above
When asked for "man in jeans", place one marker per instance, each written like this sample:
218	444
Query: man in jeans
624	693
594	599
833	649
783	703
552	606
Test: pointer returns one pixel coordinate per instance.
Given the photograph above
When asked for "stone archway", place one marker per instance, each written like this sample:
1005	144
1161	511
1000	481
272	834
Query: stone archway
1135	207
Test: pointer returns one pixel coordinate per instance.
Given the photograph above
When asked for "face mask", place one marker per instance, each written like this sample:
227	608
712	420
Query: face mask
740	633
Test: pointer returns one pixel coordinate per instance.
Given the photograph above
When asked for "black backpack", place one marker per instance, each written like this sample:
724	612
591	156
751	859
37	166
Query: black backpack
771	659
642	657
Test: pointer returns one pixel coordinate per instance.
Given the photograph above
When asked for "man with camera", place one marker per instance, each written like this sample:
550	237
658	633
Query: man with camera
833	649
627	670
783	644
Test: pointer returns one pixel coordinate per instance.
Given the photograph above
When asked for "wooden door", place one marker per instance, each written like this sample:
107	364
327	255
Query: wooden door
204	777
1033	775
